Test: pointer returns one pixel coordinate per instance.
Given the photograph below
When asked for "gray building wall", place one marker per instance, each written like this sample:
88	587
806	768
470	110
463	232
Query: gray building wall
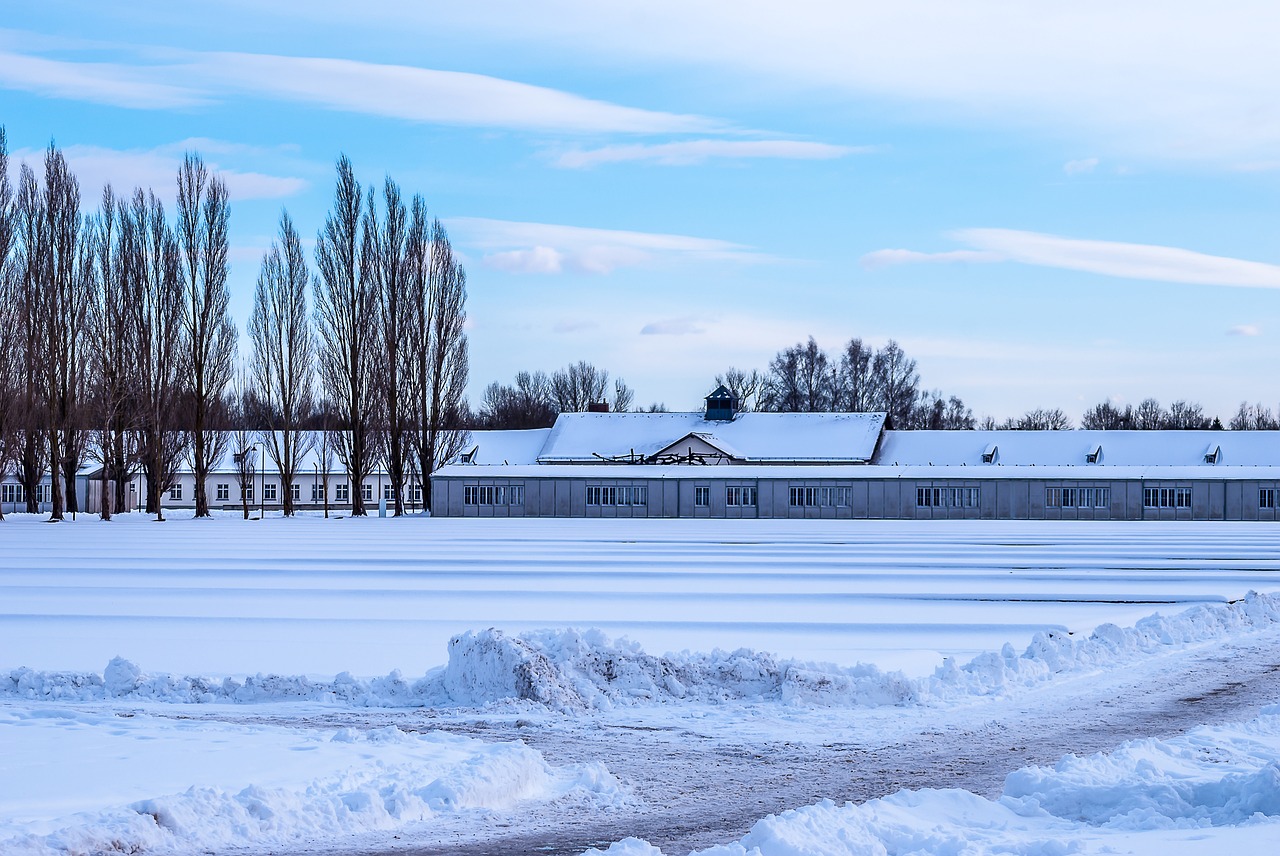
999	499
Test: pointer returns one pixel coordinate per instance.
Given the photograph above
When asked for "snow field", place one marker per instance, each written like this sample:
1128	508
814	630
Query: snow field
78	782
315	597
1212	790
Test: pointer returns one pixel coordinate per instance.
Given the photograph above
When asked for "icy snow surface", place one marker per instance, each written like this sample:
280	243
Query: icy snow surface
228	685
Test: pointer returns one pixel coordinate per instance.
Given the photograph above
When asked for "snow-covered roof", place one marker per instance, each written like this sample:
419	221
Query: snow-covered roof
504	447
753	437
1072	448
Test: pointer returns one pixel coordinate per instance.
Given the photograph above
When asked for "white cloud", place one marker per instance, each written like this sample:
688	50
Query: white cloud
97	82
1129	261
885	258
692	152
394	91
1109	258
156	169
1080	167
1245	330
1163	80
547	248
673	327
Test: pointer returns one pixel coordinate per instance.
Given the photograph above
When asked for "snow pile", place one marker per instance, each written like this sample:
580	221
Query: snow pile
251	785
571	669
577	670
1138	798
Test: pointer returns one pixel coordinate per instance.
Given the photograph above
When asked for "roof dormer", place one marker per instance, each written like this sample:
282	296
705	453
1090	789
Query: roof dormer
1094	455
722	405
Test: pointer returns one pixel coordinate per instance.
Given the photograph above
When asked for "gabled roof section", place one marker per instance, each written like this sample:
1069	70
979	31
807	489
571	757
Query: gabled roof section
800	438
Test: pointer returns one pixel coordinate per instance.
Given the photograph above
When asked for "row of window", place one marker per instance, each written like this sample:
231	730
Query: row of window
1166	497
808	497
947	497
488	494
1077	497
271	492
620	495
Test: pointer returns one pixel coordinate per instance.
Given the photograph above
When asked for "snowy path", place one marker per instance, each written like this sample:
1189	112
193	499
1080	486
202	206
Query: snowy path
705	776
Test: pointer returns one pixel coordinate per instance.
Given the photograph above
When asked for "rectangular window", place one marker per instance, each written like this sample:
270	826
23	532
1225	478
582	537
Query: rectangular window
949	497
1166	497
295	492
224	492
1267	498
317	492
246	492
44	493
366	492
11	493
269	492
593	495
515	493
342	492
701	497
741	496
471	495
175	492
388	493
415	494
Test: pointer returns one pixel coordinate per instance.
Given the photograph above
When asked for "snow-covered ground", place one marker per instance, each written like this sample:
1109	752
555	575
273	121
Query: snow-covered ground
227	685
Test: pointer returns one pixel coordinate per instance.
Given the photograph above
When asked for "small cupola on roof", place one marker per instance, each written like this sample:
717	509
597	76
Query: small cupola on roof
722	405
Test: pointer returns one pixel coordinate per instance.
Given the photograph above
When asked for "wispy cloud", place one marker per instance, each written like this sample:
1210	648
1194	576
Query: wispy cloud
410	93
886	258
1245	330
691	152
1081	166
1109	258
674	327
545	248
120	85
157	169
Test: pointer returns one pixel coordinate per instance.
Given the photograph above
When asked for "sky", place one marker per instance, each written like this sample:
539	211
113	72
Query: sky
1046	205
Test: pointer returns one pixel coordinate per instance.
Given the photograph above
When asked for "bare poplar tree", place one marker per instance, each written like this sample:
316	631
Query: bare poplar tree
440	358
9	321
63	290
390	267
203	241
283	355
154	280
29	227
346	318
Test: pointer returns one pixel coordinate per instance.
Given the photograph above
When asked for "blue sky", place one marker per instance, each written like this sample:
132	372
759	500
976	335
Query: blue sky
1047	205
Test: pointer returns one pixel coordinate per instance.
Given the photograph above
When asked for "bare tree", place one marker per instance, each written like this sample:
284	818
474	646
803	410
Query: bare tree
388	246
1256	417
1149	415
747	386
242	407
10	322
800	380
895	383
156	304
1043	419
1106	416
854	390
577	386
1186	416
525	404
204	212
346	313
283	354
440	362
30	232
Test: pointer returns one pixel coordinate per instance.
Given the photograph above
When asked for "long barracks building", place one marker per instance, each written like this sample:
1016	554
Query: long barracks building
725	464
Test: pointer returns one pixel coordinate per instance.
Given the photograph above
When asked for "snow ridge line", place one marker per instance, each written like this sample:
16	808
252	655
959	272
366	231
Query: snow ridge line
583	670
